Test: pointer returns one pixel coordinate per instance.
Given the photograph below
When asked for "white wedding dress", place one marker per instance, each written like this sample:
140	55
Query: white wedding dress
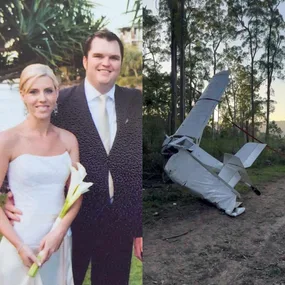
37	183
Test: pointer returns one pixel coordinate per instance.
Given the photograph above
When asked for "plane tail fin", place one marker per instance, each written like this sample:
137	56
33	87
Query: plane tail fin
234	165
249	153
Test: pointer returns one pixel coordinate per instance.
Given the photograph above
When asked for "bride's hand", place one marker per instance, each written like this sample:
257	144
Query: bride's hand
27	256
50	244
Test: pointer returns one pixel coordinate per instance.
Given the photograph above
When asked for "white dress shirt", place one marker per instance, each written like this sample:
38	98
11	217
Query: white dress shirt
92	95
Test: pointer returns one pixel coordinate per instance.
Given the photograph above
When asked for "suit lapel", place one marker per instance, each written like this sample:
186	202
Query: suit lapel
121	105
84	118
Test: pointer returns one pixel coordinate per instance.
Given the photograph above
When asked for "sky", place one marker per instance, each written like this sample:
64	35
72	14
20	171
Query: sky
114	10
277	85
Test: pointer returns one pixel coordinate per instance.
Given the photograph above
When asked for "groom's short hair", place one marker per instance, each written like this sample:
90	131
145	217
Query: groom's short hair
103	34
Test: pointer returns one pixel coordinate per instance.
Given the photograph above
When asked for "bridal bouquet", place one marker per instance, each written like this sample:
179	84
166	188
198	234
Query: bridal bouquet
77	187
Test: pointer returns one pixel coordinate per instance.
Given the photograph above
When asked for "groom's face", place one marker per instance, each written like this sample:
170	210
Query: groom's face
103	64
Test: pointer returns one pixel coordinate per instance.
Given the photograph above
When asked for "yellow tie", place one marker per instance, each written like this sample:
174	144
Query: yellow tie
104	132
103	124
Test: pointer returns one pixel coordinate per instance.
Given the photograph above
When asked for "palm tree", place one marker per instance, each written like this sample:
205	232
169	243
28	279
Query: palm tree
137	9
45	31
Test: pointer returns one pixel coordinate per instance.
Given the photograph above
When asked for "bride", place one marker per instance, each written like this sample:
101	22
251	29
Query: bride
36	156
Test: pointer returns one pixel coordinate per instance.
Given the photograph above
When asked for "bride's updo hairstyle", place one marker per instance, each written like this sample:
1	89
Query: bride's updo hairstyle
31	73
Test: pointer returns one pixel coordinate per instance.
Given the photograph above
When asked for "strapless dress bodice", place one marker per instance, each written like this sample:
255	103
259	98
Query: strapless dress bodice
37	183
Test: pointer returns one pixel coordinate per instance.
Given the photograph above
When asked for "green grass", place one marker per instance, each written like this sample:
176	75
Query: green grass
135	274
266	174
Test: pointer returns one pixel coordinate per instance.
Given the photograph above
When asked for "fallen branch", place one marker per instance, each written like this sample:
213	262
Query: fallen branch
180	235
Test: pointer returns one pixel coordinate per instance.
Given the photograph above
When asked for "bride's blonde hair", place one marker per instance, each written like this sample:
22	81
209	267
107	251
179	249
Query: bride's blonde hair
33	72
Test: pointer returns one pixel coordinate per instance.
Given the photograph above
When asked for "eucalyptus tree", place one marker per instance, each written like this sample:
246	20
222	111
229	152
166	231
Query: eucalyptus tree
185	37
217	29
153	43
197	54
238	100
46	31
275	130
249	18
156	85
232	58
182	29
174	16
168	15
272	60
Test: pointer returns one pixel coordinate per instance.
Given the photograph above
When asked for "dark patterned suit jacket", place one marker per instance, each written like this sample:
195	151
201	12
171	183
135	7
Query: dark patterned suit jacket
124	160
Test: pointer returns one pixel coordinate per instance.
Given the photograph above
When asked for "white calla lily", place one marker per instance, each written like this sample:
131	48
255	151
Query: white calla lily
82	188
74	181
81	170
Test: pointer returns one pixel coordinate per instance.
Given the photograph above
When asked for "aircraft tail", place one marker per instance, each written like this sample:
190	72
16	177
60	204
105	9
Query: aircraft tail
234	165
249	153
233	170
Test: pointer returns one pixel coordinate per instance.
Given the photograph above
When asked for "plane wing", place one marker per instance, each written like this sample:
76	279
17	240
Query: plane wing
193	126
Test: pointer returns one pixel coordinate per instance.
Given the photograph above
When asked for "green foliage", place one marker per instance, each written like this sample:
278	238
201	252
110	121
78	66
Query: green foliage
153	133
136	9
132	64
45	31
156	94
130	81
156	84
228	141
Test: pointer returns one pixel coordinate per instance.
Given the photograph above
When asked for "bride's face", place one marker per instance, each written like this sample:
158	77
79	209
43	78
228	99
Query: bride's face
40	98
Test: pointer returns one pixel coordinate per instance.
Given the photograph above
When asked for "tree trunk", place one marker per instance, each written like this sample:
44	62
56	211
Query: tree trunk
173	73
252	99
182	63
247	130
268	87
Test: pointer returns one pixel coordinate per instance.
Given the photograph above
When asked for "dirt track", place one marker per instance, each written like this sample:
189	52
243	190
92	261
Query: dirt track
216	249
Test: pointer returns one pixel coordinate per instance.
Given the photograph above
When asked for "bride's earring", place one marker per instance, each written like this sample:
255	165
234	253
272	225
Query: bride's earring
26	112
55	110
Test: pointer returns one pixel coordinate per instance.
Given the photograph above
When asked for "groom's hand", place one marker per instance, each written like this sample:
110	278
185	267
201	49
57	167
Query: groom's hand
138	248
10	210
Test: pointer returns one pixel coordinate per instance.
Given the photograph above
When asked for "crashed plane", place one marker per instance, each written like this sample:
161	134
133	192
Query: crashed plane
192	167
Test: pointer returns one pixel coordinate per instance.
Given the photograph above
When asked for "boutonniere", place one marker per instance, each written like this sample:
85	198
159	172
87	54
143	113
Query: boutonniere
126	121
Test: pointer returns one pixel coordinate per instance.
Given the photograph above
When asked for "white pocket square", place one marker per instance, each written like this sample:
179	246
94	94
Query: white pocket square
126	121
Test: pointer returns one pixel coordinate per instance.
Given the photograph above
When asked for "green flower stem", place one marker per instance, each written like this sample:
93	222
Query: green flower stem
63	210
34	268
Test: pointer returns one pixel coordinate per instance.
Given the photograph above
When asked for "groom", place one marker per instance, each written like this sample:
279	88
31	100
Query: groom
109	132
